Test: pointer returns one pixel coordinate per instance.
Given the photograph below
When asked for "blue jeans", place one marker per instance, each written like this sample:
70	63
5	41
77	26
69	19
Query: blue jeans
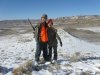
41	47
38	51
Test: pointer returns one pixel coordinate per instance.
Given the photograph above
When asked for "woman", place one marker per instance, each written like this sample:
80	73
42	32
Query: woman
52	41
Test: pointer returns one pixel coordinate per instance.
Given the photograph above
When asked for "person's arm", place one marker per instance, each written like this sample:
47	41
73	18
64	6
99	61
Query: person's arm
59	39
57	36
36	30
36	27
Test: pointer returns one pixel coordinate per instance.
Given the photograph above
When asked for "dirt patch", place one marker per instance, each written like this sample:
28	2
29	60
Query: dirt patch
7	32
4	32
85	35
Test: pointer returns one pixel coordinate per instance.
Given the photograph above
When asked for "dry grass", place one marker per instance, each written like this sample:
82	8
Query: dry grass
75	57
25	68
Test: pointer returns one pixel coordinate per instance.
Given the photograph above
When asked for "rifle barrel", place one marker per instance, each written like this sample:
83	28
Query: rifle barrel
31	25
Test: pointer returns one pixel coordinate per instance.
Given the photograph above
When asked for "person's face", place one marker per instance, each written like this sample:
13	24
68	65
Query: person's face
50	24
43	19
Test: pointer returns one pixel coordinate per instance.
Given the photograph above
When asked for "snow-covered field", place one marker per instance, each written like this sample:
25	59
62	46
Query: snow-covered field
76	57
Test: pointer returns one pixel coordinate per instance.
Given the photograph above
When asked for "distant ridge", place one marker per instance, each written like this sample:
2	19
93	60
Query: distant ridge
84	19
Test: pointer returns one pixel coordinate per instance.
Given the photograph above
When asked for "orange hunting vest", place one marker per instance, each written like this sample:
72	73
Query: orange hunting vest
43	34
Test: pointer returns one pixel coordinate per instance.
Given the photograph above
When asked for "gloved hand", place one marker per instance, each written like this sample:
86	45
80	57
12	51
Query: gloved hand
61	44
33	34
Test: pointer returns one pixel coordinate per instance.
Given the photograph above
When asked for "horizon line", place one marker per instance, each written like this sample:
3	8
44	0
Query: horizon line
51	18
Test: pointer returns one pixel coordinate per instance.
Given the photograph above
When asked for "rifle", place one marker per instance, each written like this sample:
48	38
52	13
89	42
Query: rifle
31	24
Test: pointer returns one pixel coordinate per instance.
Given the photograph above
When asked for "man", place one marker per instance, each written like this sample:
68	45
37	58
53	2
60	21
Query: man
41	38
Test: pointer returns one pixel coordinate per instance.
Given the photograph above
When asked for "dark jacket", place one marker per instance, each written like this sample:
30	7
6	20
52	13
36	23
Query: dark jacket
53	36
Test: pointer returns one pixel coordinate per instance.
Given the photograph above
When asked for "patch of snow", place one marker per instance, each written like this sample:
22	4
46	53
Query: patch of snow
72	44
9	73
14	51
42	72
94	29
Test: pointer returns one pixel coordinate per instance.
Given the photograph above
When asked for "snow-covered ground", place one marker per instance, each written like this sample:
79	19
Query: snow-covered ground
16	49
94	29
